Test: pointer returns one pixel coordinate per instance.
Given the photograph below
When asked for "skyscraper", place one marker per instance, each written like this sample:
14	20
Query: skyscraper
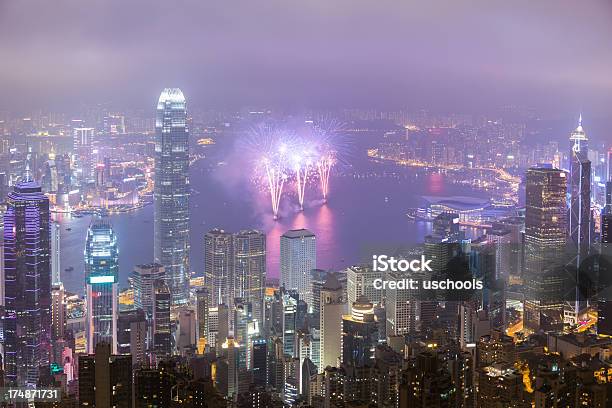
298	257
545	239
171	193
55	254
218	266
359	333
144	278
105	379
162	332
333	307
579	186
101	271
83	148
27	268
250	269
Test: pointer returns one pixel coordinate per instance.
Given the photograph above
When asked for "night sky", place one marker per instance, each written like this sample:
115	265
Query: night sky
456	55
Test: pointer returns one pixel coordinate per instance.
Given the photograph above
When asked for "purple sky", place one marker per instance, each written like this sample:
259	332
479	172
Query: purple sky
439	54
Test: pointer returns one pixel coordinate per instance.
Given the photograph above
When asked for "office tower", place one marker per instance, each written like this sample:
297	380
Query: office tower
259	362
162	333
27	279
298	257
83	150
186	333
58	312
359	334
606	229
513	242
290	300
608	206
360	282
579	220
333	306
202	304
143	280
102	274
222	326
318	277
545	239
55	253
105	379
579	186
218	266
229	368
250	269
171	193
401	309
132	335
243	317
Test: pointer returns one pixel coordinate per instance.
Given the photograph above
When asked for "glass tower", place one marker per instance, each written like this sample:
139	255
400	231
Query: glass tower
545	240
101	271
27	280
171	194
298	257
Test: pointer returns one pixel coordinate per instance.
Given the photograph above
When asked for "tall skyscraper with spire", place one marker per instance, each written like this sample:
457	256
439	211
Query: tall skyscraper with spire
102	272
171	193
579	187
27	280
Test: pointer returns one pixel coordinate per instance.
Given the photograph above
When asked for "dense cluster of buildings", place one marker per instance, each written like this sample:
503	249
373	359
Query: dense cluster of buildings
538	335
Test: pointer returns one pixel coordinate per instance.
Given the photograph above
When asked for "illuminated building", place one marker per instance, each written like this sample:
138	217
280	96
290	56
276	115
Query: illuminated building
144	278
359	334
105	379
401	308
55	253
428	383
162	333
203	318
58	312
132	335
290	301
333	307
545	239
298	257
83	149
27	282
171	192
250	269
230	370
360	282
500	385
606	229
102	272
218	266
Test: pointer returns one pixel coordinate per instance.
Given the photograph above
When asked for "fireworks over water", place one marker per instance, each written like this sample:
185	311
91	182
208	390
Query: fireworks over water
285	157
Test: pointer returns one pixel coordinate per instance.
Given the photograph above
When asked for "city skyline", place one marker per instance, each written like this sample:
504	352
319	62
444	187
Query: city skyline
347	204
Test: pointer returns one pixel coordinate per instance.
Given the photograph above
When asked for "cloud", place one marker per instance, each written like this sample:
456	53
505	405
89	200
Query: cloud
305	53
